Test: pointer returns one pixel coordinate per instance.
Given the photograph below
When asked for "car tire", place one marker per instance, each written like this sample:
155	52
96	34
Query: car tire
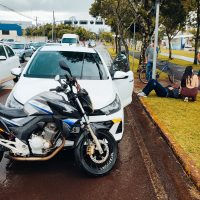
23	58
15	79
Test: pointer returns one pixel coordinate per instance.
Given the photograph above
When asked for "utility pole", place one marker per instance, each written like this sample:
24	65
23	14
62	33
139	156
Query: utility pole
53	26
156	39
133	44
36	21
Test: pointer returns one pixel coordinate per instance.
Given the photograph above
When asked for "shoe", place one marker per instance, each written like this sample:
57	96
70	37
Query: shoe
141	94
186	99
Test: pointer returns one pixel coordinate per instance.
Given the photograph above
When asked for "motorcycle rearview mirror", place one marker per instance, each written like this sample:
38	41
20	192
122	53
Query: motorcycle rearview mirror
65	67
57	78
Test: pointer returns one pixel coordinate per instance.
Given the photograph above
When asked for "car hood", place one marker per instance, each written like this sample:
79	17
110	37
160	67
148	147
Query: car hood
101	92
18	50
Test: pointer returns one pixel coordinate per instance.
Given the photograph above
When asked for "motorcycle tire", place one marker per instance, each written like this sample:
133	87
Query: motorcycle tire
96	164
2	150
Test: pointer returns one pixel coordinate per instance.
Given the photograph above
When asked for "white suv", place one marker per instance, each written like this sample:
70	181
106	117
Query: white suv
8	60
109	95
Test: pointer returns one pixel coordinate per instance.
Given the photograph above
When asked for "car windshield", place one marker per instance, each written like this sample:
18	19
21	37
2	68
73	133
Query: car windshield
17	46
69	40
39	44
85	66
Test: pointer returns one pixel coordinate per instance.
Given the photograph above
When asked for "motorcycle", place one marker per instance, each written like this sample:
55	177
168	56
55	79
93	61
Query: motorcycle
49	123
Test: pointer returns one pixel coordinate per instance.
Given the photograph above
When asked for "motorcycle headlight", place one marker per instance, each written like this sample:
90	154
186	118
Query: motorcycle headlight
113	107
13	103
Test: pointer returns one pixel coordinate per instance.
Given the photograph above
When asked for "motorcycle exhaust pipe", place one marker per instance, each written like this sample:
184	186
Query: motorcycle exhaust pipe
39	158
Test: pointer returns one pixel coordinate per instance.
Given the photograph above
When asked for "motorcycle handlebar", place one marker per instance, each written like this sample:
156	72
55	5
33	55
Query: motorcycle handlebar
58	89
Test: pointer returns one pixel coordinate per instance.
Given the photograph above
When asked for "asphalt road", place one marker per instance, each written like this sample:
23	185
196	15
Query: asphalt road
146	170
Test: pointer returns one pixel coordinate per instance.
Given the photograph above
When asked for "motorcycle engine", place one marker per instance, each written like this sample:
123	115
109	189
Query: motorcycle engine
40	142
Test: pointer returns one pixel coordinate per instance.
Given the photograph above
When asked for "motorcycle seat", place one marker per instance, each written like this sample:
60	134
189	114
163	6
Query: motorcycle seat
11	113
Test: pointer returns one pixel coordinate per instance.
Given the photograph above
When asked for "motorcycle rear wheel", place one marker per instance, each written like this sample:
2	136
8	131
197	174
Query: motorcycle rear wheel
96	164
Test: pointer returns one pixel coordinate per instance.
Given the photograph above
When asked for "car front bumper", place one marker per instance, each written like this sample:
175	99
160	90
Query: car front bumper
114	122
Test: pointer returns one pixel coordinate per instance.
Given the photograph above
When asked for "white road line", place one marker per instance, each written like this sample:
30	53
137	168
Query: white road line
154	177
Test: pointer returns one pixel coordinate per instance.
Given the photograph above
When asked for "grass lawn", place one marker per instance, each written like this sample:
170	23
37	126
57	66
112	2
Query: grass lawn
181	121
189	54
178	118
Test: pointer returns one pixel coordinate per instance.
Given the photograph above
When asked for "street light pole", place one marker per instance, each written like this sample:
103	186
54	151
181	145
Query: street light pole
133	44
156	39
53	27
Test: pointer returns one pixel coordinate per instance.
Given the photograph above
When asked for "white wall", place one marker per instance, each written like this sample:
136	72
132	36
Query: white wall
13	35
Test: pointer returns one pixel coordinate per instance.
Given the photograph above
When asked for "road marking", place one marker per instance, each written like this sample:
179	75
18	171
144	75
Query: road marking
154	177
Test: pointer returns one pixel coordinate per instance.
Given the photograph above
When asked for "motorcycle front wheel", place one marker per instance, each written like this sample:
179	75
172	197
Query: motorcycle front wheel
90	160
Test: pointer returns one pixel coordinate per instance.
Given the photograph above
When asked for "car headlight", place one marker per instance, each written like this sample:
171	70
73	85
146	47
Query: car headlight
113	107
13	103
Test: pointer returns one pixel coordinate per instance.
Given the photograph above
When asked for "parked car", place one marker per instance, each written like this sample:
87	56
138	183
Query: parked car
91	43
22	50
70	39
8	61
109	94
36	45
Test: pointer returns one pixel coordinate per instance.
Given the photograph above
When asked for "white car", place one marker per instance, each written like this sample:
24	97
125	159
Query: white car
109	95
8	61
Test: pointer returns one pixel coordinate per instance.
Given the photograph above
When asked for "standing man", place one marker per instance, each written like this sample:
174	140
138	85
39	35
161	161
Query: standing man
149	60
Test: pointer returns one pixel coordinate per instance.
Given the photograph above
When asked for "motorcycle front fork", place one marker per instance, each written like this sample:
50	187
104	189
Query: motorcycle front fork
94	137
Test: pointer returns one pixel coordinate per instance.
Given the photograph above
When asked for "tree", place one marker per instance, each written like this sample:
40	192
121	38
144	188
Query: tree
194	20
173	19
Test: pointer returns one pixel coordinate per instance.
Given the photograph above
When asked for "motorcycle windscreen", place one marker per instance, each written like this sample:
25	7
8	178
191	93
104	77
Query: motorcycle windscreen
38	105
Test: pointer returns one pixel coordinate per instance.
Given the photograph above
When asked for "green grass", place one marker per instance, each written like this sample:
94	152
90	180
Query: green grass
181	120
189	54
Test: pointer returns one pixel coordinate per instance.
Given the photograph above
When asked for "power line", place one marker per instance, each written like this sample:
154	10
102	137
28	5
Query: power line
4	6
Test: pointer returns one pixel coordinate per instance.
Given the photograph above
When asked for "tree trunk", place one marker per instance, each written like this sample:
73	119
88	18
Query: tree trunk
126	47
197	33
116	44
170	48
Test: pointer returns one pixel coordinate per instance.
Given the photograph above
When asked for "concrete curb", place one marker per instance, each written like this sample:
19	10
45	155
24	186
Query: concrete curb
187	164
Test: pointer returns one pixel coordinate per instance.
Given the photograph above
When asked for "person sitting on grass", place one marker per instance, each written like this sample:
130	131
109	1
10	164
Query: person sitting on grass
189	81
189	84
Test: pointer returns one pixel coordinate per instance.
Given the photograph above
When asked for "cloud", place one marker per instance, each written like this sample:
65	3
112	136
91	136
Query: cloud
48	5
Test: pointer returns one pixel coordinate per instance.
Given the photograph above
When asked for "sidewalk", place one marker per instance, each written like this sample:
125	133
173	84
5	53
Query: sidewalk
178	57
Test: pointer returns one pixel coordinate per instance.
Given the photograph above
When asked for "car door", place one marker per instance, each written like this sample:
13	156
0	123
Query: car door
3	63
29	51
12	60
125	84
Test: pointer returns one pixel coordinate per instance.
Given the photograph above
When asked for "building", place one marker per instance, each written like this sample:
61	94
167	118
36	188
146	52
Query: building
23	24
10	31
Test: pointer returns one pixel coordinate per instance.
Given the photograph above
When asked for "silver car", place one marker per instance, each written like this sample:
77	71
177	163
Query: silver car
22	50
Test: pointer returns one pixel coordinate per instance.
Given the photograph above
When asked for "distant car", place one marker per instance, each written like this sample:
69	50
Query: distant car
36	45
52	44
189	48
8	61
22	50
7	40
92	44
70	39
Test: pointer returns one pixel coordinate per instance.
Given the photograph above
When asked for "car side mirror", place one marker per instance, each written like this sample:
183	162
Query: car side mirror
57	78
120	75
16	71
2	58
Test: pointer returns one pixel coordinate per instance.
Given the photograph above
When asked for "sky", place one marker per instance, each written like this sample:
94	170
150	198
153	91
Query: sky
42	9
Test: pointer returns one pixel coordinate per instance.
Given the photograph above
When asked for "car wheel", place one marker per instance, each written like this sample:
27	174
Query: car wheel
15	79
24	58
